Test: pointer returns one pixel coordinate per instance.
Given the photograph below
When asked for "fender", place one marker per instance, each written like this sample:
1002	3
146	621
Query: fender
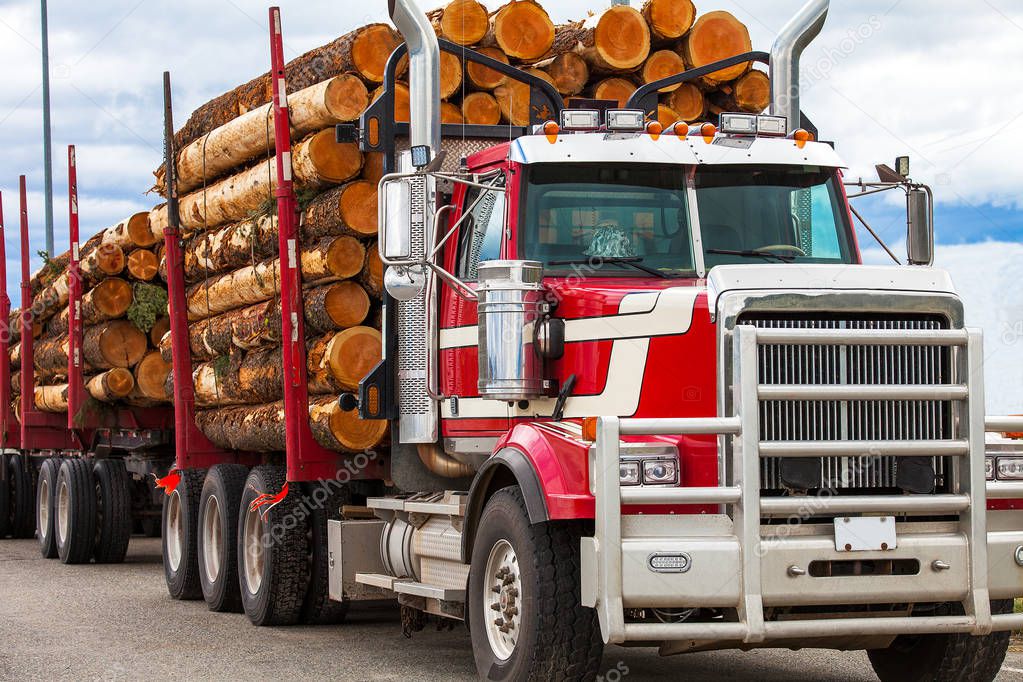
509	466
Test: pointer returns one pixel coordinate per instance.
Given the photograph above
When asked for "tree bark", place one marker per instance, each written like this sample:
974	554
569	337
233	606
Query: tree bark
107	260
247	328
51	299
372	276
614	41
465	22
347	210
230	247
51	398
242	140
117	343
111	386
716	36
143	265
50	357
131	233
237	289
317	162
668	20
480	108
522	29
156	334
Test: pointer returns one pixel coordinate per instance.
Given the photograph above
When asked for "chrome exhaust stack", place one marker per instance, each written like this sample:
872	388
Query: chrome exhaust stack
793	39
424	72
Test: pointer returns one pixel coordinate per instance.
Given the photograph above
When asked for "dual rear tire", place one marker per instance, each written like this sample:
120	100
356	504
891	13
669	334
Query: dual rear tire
20	496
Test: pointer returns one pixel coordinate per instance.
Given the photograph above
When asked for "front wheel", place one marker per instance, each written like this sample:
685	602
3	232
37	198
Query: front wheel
525	615
943	658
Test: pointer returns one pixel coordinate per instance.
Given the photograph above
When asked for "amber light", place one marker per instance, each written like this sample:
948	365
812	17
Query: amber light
708	131
590	429
551	129
802	136
654	128
681	129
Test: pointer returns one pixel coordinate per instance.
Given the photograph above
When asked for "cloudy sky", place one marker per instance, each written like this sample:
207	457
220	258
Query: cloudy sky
935	79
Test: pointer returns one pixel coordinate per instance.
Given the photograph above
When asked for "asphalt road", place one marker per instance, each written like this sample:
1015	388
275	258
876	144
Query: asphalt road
117	623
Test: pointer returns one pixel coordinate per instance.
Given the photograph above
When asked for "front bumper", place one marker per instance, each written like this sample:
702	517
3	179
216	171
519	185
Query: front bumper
762	573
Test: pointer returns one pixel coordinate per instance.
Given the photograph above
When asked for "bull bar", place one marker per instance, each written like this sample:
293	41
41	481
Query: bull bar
615	560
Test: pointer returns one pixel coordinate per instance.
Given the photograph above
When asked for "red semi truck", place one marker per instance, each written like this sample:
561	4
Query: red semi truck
643	391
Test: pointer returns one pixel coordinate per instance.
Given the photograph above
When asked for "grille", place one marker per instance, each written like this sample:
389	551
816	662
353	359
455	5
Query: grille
876	420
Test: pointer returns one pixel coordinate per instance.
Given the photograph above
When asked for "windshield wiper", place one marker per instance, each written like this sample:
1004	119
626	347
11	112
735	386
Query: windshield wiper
753	253
635	262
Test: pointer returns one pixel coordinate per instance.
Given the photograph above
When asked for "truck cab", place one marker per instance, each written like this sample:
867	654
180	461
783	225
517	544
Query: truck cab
644	384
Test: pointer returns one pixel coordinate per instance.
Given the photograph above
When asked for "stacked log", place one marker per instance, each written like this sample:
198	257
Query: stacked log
123	308
226	170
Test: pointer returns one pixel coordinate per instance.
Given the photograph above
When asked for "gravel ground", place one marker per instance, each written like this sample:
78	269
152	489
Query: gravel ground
117	623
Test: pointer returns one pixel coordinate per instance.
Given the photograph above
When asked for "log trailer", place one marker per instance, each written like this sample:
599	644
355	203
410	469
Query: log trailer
81	483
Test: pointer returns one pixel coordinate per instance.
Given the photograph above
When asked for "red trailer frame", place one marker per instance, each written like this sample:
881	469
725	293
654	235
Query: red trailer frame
9	437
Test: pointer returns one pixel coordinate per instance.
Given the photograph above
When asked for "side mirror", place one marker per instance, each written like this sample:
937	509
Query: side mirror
395	207
920	226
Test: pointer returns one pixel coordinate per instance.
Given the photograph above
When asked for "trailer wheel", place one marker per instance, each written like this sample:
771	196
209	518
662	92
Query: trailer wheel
23	497
46	508
273	552
326	500
76	512
218	536
956	657
525	615
113	511
5	496
180	531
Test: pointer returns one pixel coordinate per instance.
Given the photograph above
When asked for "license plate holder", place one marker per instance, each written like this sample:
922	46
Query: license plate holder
865	533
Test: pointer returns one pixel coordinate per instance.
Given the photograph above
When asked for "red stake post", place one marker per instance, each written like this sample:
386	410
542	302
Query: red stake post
27	340
76	384
5	342
307	459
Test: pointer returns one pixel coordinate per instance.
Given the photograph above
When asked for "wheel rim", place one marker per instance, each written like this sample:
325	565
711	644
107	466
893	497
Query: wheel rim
502	599
44	507
175	531
212	539
63	512
254	554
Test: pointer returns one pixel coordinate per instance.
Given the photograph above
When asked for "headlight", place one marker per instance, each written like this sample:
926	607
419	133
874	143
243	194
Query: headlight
989	468
628	473
1010	468
660	471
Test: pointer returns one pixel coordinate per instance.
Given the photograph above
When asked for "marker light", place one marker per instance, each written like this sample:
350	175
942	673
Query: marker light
590	429
625	120
580	119
551	130
681	129
654	128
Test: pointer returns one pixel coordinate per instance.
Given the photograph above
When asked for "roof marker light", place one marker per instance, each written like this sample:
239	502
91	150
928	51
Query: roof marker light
802	137
681	129
654	129
551	130
708	131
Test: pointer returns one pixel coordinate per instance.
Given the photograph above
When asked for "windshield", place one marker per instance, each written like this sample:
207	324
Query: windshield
632	219
780	214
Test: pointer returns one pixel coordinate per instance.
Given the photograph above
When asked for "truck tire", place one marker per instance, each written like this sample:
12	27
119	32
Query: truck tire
46	508
273	552
5	496
531	574
113	511
76	512
944	658
23	497
180	531
218	536
326	500
150	527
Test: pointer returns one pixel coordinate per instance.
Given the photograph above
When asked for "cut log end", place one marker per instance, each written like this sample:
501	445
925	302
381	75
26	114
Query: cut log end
450	113
358	206
112	297
109	259
151	376
465	22
346	97
622	38
483	77
347	304
570	73
663	64
716	36
354	353
160	328
344	257
752	92
335	162
450	74
480	108
143	265
669	19
115	344
115	384
139	231
513	99
615	89
524	30
688	102
371	50
402	101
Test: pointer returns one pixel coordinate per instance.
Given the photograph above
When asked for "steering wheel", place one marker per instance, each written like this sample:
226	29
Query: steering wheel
782	248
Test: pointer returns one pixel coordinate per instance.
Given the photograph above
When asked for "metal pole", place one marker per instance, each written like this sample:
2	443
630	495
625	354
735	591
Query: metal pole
47	152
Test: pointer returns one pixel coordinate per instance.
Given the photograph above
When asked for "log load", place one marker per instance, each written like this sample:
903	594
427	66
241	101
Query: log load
107	260
335	306
716	36
150	377
615	41
372	276
522	29
117	343
347	210
143	265
752	92
108	300
373	168
131	233
615	89
51	398
465	22
332	258
480	108
50	357
230	248
568	71
662	64
483	77
451	113
402	101
338	362
236	143
160	328
364	52
317	161
246	286
111	386
261	428
668	20
51	299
